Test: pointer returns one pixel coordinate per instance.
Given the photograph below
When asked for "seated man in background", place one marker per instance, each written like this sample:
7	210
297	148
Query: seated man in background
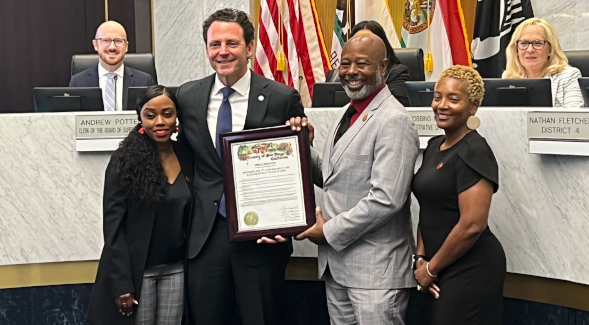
111	74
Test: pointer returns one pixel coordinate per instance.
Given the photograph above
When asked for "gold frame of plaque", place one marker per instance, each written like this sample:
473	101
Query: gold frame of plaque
268	182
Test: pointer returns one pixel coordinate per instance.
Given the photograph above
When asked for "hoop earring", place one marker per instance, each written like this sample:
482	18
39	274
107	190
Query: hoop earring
473	122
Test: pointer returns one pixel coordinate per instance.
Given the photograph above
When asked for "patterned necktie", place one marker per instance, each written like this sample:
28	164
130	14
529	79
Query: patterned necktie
224	124
344	124
110	99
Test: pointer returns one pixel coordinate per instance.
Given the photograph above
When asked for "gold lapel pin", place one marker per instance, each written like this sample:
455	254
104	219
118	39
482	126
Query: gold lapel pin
365	118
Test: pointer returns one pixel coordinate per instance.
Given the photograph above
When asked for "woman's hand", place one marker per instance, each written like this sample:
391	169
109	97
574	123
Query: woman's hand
425	280
125	303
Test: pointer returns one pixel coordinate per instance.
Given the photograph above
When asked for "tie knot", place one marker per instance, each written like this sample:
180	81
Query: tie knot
227	91
111	75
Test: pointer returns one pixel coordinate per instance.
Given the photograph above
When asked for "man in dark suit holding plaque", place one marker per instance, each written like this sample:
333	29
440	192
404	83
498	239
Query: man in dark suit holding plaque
230	280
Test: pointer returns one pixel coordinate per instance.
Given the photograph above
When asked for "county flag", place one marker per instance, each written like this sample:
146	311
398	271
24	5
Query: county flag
438	28
494	24
378	10
290	29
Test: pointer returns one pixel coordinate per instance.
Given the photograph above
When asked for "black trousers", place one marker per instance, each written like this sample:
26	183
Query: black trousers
236	283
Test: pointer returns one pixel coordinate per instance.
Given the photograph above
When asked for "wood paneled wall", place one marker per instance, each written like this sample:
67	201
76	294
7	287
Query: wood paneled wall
326	11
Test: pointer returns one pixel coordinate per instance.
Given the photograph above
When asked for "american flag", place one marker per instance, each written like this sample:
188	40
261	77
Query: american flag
295	23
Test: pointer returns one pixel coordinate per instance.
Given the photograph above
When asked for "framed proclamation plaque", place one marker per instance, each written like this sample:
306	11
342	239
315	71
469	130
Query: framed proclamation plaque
268	185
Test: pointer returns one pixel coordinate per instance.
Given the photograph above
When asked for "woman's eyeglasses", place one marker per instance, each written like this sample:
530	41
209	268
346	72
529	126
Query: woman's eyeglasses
537	44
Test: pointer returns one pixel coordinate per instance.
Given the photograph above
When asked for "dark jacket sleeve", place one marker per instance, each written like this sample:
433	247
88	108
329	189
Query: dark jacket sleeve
73	81
398	75
150	81
295	107
115	244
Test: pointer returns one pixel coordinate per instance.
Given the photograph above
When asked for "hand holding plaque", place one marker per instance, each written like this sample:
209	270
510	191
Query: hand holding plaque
268	185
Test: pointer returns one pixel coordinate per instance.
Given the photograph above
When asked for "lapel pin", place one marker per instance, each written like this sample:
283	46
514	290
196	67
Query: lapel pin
260	98
365	118
439	165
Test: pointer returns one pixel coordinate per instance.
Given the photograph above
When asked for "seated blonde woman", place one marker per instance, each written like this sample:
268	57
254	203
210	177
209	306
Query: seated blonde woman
534	52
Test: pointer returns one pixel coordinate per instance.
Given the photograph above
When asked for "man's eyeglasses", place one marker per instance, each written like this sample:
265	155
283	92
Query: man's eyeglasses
106	41
537	44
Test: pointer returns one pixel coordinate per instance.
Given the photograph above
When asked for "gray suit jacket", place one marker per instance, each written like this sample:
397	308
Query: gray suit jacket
367	186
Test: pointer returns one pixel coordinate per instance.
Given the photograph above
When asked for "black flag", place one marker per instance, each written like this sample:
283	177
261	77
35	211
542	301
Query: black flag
494	24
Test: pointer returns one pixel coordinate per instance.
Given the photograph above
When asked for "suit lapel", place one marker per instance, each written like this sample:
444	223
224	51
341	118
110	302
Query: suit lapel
257	103
93	78
328	148
364	118
128	81
201	102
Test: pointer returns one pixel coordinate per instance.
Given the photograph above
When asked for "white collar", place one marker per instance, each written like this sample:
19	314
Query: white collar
241	86
102	71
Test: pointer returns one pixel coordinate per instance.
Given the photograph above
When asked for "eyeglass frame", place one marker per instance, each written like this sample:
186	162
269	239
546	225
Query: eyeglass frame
531	43
112	40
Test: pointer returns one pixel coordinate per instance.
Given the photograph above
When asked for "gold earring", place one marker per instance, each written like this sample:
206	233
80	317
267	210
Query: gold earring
473	122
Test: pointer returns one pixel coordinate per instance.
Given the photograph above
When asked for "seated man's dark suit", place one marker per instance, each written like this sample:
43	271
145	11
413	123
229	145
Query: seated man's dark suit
131	78
221	273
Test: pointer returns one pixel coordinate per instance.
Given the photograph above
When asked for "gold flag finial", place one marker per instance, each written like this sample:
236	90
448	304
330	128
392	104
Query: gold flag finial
428	63
280	56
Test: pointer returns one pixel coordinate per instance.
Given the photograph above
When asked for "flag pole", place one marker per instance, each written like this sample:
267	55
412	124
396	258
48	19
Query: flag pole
429	61
281	57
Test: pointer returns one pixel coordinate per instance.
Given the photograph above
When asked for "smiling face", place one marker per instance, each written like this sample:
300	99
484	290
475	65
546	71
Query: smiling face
363	65
158	117
111	56
227	51
533	60
451	104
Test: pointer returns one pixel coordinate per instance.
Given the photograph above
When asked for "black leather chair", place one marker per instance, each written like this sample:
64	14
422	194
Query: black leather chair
579	60
141	61
412	58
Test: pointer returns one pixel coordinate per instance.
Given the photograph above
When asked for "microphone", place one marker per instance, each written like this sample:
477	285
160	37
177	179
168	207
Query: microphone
116	100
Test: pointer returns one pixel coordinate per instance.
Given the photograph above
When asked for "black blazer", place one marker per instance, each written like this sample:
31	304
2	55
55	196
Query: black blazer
131	78
270	104
128	225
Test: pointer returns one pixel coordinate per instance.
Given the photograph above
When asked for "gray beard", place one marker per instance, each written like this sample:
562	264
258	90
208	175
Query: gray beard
365	91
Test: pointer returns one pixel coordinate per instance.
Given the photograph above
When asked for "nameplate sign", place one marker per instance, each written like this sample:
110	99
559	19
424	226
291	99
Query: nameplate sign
558	125
105	126
425	122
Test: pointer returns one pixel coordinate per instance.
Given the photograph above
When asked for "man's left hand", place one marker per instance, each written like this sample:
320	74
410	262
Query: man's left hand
297	123
277	239
315	233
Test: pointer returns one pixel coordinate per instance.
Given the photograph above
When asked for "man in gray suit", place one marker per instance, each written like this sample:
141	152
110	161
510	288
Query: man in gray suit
364	235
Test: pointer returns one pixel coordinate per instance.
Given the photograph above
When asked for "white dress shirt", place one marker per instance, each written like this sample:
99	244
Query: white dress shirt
103	79
238	101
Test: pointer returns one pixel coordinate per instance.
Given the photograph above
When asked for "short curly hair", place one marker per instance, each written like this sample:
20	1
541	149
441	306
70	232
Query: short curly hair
476	86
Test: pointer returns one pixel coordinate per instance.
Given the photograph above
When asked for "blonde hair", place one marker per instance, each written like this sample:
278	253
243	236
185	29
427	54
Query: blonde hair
557	60
476	86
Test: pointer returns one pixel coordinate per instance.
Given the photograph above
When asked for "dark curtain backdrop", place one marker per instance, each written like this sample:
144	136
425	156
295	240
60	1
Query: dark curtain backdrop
123	11
39	38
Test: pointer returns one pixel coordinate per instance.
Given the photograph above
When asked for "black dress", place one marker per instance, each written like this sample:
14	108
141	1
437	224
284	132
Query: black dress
471	288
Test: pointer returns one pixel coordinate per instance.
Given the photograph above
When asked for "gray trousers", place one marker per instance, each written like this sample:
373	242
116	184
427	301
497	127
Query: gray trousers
351	306
162	296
